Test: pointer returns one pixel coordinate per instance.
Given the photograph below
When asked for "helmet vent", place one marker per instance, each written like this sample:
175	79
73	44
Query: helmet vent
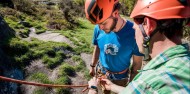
96	11
101	14
183	2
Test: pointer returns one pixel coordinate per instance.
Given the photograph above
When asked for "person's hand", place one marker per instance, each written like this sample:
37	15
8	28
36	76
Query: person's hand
92	71
93	82
107	84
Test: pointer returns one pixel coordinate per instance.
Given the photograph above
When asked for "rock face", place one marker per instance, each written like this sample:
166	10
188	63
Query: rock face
6	67
5	31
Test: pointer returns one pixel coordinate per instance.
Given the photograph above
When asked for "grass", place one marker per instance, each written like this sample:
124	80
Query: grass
22	52
40	77
67	69
81	36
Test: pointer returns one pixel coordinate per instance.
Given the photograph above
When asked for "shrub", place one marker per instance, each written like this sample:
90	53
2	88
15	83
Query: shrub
24	33
18	47
70	12
63	91
127	6
51	62
80	63
58	24
68	69
63	80
26	6
9	11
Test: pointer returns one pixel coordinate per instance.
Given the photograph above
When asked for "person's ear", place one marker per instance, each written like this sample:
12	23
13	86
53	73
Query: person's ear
115	13
149	24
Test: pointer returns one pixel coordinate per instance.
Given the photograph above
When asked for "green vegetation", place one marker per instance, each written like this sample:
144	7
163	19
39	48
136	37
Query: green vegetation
22	52
81	36
63	80
40	77
67	69
80	63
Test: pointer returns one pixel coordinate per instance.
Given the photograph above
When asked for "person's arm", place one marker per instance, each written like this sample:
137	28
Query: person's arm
136	65
110	86
92	91
95	57
93	82
106	83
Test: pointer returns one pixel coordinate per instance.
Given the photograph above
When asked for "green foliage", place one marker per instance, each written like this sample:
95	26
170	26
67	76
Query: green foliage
17	47
79	2
58	24
63	91
127	6
63	80
81	37
40	77
80	63
67	69
87	75
9	11
22	52
26	6
24	33
71	11
39	91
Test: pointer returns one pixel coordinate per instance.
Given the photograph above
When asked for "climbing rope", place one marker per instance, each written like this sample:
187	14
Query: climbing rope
39	84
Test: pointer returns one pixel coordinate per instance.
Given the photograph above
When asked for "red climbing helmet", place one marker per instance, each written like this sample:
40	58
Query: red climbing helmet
99	10
162	9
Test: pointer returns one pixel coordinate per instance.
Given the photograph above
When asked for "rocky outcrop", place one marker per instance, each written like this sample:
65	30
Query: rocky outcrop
5	31
7	67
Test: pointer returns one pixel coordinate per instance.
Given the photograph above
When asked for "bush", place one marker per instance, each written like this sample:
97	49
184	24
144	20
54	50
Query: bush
51	62
24	33
80	63
63	80
68	69
18	47
70	11
9	11
26	6
58	24
127	6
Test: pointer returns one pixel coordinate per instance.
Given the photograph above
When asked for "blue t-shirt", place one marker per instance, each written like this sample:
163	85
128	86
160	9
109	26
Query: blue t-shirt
116	48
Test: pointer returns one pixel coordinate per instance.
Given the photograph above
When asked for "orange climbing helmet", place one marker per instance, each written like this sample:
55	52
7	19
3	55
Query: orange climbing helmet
99	10
162	9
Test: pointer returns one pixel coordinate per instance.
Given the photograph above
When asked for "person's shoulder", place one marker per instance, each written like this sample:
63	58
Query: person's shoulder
174	62
96	27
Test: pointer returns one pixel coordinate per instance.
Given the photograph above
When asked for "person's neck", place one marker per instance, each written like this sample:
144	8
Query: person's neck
159	43
121	23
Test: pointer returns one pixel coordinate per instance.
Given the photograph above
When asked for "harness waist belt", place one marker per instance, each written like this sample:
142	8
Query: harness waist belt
118	72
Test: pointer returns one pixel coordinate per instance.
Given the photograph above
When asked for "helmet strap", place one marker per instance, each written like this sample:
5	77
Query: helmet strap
146	42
